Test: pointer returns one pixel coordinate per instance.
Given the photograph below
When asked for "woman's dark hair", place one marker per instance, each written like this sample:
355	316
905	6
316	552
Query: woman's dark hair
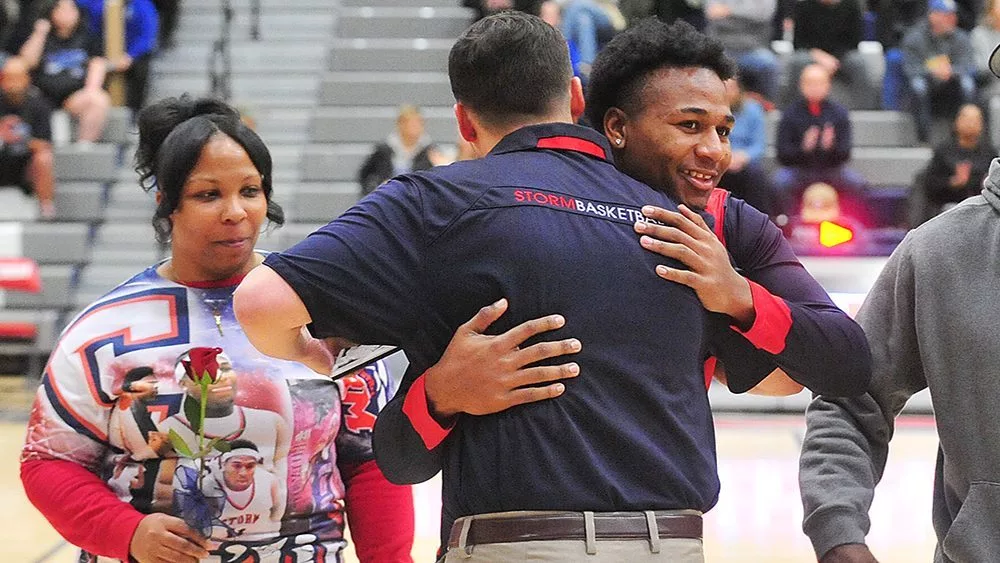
623	66
172	133
510	65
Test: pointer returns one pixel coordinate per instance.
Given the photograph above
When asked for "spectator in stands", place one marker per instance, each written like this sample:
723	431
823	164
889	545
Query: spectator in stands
25	138
814	143
746	177
212	176
938	63
168	12
141	29
744	29
551	13
588	25
959	165
985	37
406	149
827	33
893	19
691	11
68	67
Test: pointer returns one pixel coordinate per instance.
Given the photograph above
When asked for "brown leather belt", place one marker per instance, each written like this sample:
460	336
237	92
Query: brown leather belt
570	526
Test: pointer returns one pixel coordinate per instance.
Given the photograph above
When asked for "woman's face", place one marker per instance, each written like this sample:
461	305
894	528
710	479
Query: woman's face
65	16
219	215
677	141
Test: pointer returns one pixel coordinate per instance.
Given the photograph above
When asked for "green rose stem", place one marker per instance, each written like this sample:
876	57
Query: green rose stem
203	383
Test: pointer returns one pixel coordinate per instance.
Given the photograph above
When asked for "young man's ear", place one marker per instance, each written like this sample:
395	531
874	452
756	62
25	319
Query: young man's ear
465	125
577	101
614	127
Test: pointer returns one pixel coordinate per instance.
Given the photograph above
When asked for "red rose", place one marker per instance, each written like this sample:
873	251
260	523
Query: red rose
202	361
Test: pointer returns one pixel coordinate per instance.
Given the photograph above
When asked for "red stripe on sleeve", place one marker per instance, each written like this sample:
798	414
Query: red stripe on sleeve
772	323
380	515
81	507
415	408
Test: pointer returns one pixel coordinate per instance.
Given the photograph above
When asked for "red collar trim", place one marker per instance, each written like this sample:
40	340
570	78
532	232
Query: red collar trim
235	280
815	108
577	144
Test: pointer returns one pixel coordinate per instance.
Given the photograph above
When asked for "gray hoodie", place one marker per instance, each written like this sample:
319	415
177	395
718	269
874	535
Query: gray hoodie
933	320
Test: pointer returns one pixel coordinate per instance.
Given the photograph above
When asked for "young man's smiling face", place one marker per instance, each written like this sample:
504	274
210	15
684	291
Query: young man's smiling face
677	138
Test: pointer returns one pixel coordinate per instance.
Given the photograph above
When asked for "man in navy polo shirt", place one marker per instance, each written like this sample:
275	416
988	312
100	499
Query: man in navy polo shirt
623	459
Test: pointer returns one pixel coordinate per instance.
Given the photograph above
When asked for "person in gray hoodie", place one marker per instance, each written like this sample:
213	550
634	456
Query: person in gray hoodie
933	321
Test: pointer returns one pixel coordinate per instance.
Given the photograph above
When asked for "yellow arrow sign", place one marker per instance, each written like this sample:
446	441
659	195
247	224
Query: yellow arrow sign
832	234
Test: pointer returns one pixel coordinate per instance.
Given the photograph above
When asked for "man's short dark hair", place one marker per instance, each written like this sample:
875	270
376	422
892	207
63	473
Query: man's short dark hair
508	65
622	67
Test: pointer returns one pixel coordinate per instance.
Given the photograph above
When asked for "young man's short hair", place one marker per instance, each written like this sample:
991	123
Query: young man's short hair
622	67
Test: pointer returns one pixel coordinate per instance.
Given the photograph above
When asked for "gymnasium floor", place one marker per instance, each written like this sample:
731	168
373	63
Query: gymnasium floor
757	519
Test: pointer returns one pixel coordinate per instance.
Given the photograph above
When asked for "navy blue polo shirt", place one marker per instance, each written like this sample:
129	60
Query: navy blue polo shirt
546	221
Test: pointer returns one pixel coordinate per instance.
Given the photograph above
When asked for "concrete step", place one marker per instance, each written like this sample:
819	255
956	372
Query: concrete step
881	166
333	162
271	20
80	201
57	243
98	162
296	89
372	124
56	293
263	57
427	22
322	201
386	89
401	3
407	55
267	6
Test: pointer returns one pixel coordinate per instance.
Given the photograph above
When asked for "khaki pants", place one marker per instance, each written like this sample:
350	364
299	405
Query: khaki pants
673	550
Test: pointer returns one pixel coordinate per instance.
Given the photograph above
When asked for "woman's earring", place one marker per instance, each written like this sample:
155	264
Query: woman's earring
618	141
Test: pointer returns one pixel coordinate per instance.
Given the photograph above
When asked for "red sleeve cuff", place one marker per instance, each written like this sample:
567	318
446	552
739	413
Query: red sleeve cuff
772	323
710	364
415	408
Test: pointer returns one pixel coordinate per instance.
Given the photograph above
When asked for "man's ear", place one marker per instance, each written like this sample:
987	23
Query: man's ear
465	125
577	102
614	127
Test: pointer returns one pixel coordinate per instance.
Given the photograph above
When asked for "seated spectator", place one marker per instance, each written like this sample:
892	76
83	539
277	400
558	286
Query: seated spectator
141	29
746	178
588	25
25	147
959	165
68	67
827	33
691	11
744	29
406	149
893	18
168	12
938	63
814	144
985	37
551	13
